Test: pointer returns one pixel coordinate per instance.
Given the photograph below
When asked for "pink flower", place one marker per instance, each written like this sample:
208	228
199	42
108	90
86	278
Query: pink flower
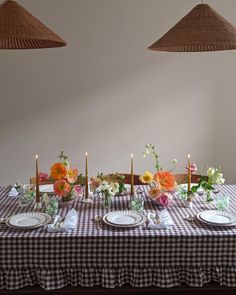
164	199
193	168
43	176
78	190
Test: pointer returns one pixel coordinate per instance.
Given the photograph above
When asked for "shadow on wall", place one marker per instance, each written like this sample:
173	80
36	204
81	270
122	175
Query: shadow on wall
105	95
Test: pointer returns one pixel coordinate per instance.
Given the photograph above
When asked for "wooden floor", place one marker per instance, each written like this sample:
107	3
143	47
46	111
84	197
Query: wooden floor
206	290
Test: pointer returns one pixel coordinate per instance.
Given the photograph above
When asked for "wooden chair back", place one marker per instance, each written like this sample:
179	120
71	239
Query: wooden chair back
127	179
183	178
33	181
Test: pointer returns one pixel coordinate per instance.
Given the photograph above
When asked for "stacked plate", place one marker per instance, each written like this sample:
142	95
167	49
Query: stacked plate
124	219
217	218
46	189
29	220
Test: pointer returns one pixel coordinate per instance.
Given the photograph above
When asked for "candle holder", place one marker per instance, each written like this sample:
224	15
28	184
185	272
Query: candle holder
38	205
189	201
86	199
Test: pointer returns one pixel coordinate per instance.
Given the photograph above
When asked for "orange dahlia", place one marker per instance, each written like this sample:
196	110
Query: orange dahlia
61	188
165	179
58	171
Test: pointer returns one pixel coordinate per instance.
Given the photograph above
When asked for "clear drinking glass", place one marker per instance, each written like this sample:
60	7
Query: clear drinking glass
27	194
51	206
222	202
137	204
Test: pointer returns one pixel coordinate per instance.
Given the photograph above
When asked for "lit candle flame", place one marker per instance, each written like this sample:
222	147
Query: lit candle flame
189	156
36	156
86	154
132	155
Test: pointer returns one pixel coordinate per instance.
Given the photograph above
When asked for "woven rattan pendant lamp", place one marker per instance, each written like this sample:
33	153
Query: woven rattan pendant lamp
202	29
21	30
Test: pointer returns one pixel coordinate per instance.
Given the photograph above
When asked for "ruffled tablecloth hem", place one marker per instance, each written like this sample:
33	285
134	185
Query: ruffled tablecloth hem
112	278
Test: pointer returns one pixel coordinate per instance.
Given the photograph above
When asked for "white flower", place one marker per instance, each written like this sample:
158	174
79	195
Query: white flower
210	171
219	179
104	185
115	187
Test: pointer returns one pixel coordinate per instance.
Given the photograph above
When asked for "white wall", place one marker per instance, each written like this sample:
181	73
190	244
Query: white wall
107	94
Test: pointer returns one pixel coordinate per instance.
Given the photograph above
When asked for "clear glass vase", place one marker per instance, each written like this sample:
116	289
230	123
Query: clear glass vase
107	197
209	196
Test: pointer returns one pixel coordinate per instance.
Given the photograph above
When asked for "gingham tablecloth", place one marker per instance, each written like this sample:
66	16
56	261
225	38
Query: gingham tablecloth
112	257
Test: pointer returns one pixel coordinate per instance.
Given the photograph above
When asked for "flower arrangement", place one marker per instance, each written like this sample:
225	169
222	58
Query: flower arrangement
214	176
66	181
162	183
108	186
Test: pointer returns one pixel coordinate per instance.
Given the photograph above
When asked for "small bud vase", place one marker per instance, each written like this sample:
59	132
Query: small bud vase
209	196
67	201
189	201
65	204
106	199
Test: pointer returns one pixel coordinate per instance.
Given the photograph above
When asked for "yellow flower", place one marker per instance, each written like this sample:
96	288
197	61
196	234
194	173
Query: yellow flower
147	177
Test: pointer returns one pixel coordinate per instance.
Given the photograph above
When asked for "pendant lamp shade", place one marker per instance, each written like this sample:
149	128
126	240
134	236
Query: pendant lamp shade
21	30
202	29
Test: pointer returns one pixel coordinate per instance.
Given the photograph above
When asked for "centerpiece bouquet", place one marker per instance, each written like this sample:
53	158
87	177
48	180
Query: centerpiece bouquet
66	182
162	182
213	176
107	186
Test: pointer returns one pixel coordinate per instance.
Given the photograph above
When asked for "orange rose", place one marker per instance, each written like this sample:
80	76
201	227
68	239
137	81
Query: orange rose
58	171
154	192
61	188
165	179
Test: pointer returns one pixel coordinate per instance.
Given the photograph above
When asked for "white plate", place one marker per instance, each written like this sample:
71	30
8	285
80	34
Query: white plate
28	220
217	217
125	226
46	189
124	218
215	224
184	186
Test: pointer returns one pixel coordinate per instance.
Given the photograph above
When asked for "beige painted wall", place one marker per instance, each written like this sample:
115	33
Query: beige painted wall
107	94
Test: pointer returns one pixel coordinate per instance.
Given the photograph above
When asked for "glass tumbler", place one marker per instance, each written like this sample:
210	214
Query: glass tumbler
222	202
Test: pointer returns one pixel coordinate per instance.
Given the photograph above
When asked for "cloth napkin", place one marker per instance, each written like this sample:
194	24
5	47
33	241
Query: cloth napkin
164	218
13	192
62	226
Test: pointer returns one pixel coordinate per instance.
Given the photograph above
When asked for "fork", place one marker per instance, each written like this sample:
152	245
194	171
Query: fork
97	220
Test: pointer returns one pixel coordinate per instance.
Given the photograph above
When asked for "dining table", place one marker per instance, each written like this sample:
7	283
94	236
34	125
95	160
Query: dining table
111	257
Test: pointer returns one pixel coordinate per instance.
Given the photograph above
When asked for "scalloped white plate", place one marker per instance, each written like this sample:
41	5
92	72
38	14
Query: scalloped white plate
216	217
28	220
46	189
124	219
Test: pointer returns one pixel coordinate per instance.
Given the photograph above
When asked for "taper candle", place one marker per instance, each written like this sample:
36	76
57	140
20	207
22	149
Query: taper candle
189	173
37	180
86	177
132	176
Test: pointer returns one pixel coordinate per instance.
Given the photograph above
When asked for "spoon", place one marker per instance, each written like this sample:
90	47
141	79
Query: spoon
191	220
3	220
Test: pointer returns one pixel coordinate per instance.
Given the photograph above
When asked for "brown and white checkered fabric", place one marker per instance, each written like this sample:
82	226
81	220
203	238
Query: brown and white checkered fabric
111	257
